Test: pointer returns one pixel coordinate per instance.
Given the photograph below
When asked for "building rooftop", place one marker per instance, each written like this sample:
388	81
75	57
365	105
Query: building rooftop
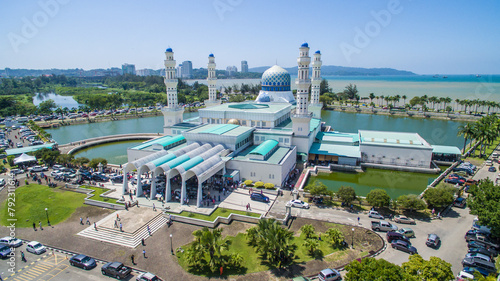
443	149
164	141
248	107
336	137
27	149
335	150
392	139
274	158
221	129
265	147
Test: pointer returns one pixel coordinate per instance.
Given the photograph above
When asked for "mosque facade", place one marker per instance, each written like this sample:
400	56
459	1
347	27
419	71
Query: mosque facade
261	140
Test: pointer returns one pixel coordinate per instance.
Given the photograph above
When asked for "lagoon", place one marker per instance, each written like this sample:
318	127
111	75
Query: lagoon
62	101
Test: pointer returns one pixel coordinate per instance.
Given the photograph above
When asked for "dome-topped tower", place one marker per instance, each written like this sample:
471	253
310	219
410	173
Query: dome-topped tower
276	86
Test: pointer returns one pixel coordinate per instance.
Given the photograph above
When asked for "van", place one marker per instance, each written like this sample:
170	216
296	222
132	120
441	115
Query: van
477	262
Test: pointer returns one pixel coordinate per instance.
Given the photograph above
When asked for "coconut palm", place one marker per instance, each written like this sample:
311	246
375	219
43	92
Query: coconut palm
308	230
335	237
467	132
371	96
311	245
210	242
404	97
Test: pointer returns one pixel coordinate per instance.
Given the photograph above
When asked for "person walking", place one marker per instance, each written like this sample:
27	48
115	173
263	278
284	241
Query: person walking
116	224
132	257
34	226
143	242
81	220
121	229
358	220
149	230
23	258
154	208
144	253
95	226
40	225
88	221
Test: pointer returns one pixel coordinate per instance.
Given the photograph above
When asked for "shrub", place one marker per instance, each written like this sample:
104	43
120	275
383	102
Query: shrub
248	182
258	184
269	185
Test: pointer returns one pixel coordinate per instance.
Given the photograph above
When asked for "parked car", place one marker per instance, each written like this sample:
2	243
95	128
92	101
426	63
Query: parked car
4	251
485	240
492	169
36	248
329	275
480	251
36	169
2	182
16	171
404	246
116	269
408	232
433	241
12	241
393	235
147	276
470	270
488	163
259	197
299	204
403	219
57	167
56	173
82	261
479	256
383	226
117	179
477	262
375	214
454	181
459	202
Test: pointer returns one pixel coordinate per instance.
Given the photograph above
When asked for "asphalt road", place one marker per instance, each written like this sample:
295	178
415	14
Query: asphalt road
50	266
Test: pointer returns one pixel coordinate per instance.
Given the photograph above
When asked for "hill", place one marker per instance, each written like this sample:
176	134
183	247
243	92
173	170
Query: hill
345	71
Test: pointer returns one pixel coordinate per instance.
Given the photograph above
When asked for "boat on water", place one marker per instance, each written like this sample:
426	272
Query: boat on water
435	76
445	76
477	76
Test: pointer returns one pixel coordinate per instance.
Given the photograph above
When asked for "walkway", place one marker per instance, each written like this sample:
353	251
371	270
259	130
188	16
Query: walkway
73	147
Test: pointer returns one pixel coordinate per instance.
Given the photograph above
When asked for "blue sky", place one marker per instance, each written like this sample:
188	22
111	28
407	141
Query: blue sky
426	37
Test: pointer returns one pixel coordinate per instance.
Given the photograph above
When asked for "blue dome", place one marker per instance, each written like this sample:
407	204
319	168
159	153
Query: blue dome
276	78
317	52
169	50
211	55
305	45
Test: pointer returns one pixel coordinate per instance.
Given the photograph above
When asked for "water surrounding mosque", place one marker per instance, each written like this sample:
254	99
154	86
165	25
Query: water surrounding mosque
115	153
396	183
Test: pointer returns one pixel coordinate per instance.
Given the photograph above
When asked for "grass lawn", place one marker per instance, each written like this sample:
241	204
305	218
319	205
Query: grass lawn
476	160
97	194
252	261
31	201
220	212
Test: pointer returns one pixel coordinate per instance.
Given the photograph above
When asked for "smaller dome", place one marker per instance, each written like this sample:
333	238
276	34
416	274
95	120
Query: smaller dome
263	97
169	50
211	55
317	52
233	121
305	45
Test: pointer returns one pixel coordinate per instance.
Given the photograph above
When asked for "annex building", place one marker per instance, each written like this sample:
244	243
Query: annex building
260	140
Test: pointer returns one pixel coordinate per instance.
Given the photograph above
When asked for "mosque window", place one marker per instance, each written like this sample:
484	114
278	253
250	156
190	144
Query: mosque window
287	140
262	138
280	139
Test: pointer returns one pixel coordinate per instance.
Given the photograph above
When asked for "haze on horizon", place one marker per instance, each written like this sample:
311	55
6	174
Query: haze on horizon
425	37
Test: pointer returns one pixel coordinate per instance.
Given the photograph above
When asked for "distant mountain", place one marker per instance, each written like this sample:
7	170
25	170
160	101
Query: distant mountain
344	71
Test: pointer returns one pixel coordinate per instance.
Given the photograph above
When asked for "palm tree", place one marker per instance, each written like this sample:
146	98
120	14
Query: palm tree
457	103
404	99
211	242
371	96
311	245
335	237
396	98
308	230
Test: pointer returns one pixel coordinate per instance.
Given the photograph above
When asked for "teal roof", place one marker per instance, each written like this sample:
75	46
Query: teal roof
27	149
392	139
275	158
164	159
191	163
264	148
443	149
219	129
177	161
335	150
164	141
314	124
337	137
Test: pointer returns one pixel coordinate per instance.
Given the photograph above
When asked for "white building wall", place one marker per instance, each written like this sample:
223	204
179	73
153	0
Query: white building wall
399	156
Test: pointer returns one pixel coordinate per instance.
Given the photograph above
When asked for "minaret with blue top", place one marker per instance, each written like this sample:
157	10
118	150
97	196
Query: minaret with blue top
211	81
315	106
172	112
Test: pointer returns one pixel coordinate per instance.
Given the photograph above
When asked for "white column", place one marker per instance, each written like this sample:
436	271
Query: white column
139	183
168	189
125	182
183	190
152	194
199	197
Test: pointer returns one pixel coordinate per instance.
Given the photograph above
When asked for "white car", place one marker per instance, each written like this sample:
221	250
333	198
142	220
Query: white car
37	169
36	248
375	215
56	173
16	171
11	241
2	182
299	204
488	163
146	276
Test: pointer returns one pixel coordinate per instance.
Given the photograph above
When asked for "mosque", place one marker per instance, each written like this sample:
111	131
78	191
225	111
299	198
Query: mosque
264	139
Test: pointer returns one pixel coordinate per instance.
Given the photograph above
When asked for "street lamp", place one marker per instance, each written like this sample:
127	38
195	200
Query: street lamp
47	213
171	248
352	238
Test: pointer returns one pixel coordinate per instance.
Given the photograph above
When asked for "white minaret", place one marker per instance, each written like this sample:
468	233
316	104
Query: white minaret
301	118
315	106
211	81
173	112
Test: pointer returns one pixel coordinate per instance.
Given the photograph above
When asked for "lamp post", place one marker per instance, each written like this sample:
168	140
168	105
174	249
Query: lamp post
352	238
47	213
171	248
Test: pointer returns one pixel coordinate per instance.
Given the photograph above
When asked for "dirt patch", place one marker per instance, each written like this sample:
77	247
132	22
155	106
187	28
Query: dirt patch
235	227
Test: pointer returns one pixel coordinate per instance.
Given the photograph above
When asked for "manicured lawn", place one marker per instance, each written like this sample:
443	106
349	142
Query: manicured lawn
31	201
252	261
97	194
220	212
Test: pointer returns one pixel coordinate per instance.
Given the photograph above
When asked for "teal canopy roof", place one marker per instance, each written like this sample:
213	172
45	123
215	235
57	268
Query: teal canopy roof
264	148
164	141
191	163
27	149
164	159
443	149
335	150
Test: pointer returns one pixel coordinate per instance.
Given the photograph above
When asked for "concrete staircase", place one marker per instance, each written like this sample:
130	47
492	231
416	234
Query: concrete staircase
127	239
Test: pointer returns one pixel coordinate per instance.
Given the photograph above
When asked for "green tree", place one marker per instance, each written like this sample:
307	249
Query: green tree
467	131
375	269
484	202
318	188
95	162
64	158
46	107
48	156
346	194
311	245
273	242
323	87
80	161
435	269
411	202
308	230
335	237
439	196
378	198
351	91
